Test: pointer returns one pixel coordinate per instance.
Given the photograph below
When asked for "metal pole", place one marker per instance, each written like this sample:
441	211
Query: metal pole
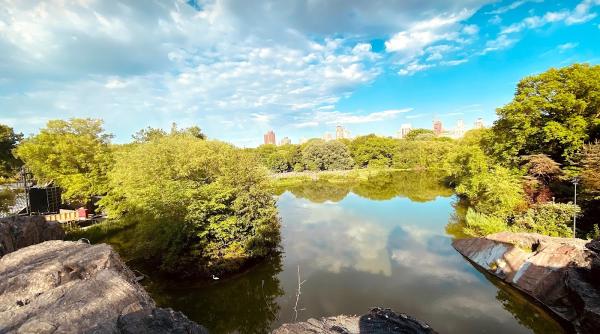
575	214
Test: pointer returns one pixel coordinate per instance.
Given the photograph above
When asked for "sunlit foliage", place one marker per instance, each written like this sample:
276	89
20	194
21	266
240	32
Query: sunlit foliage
199	206
75	154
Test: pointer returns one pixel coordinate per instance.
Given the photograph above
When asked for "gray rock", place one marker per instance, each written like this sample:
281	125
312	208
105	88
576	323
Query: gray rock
158	321
558	272
22	231
376	321
73	287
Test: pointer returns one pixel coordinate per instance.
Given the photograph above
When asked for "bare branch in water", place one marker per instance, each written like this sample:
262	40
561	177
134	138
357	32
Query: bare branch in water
298	292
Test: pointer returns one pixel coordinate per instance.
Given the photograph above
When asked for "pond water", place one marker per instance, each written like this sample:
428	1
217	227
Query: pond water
385	241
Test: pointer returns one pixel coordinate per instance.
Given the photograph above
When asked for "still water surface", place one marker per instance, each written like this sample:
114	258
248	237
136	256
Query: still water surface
381	242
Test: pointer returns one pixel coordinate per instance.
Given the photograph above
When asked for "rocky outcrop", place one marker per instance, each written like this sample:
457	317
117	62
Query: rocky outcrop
376	321
158	321
74	287
22	231
558	272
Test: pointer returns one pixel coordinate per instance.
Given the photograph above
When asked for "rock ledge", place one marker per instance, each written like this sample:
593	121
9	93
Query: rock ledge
558	272
378	320
74	287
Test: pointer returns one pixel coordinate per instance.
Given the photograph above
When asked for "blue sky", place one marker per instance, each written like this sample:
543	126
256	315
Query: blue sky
299	67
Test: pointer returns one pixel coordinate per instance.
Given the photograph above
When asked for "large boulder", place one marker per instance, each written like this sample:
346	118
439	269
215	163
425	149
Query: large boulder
555	271
21	231
68	287
376	321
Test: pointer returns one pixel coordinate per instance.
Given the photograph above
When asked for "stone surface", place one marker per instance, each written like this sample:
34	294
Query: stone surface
158	321
376	321
555	271
22	231
69	287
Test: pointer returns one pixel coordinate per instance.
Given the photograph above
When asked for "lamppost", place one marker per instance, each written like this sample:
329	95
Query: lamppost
575	183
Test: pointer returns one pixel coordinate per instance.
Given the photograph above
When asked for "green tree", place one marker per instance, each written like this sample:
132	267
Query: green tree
198	205
75	154
552	113
8	142
420	134
490	189
148	134
425	154
326	155
373	151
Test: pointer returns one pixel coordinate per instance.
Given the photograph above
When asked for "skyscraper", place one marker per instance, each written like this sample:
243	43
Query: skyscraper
327	136
479	123
270	138
459	131
285	141
437	127
341	132
404	130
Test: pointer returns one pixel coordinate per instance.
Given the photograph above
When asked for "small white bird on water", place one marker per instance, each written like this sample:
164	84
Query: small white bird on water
214	277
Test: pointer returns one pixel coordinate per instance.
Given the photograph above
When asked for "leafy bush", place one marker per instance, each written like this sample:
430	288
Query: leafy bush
490	189
198	205
75	154
553	219
326	155
421	154
373	151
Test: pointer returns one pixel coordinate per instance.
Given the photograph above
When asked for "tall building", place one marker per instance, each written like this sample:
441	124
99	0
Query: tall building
327	136
404	130
270	138
341	133
459	130
479	123
285	141
437	127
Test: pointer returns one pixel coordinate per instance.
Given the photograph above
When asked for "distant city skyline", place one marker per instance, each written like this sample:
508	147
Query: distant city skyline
342	133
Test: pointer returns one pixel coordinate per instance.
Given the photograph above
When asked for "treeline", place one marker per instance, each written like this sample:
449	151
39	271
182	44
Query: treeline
421	151
196	206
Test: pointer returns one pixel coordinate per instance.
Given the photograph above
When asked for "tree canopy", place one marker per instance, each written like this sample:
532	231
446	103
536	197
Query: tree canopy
75	154
553	113
373	151
198	205
326	155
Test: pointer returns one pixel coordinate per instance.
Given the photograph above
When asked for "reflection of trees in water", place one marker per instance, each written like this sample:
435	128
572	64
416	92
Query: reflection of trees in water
321	190
417	186
244	304
456	223
523	309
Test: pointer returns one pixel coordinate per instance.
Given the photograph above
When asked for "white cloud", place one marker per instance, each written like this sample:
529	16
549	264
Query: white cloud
414	67
496	19
501	42
411	43
567	46
428	42
309	124
511	6
580	14
471	29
